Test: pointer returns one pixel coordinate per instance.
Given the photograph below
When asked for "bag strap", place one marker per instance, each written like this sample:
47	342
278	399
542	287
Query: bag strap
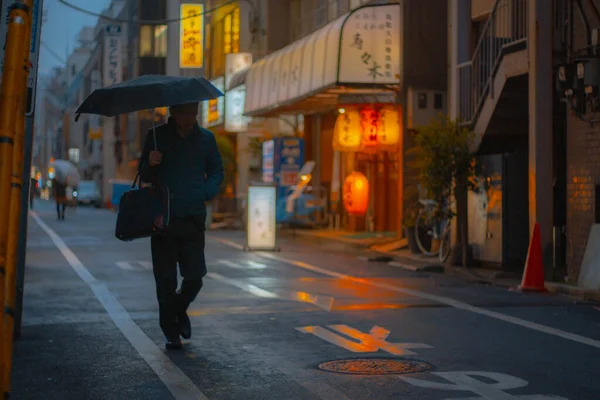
138	178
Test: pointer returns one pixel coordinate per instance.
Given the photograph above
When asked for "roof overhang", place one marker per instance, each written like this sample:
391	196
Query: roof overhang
357	54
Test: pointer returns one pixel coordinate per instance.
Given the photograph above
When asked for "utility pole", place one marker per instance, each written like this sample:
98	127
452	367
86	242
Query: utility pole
37	18
12	125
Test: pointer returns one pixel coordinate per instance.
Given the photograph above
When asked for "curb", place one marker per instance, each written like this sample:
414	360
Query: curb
418	268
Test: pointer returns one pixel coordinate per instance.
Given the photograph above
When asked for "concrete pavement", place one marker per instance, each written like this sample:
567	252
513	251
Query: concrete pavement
264	322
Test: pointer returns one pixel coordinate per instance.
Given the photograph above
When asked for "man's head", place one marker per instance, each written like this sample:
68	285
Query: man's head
184	115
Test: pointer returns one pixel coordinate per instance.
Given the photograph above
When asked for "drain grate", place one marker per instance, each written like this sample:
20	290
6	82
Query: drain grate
375	366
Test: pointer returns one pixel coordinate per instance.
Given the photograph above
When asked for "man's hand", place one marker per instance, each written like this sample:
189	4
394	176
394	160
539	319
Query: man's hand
155	158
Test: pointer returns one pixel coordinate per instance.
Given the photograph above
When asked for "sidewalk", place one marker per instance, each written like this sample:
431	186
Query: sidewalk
364	247
69	348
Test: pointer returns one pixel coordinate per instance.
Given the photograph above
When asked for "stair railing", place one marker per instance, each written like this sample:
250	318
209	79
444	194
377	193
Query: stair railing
506	26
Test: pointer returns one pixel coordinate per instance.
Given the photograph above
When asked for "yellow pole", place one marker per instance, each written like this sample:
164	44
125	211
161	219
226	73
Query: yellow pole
12	108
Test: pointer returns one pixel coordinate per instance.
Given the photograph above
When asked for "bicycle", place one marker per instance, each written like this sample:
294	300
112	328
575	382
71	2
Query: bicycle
432	229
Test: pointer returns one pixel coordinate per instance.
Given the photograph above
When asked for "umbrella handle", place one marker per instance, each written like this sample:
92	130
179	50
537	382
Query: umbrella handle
154	128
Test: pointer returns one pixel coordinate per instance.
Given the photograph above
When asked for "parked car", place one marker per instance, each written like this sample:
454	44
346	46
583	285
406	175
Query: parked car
88	193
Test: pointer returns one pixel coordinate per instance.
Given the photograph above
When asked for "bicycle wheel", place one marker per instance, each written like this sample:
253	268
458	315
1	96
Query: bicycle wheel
425	231
446	241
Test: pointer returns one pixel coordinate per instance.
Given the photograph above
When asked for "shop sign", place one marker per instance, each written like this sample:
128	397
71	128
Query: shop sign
213	110
370	47
113	55
235	121
191	40
367	129
234	63
268	161
261	224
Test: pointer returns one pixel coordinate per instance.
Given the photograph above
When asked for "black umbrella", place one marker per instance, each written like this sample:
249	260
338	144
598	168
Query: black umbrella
147	92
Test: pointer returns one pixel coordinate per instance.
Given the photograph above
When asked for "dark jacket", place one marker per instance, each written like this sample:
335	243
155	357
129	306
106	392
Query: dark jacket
191	168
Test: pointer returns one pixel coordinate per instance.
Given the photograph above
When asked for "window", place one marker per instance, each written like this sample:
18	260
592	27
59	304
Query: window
224	38
153	41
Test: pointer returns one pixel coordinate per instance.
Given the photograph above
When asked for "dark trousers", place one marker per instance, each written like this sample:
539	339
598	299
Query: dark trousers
183	245
58	209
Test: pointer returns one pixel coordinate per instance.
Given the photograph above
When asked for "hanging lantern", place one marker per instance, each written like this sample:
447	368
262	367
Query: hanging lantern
388	132
356	194
347	131
369	124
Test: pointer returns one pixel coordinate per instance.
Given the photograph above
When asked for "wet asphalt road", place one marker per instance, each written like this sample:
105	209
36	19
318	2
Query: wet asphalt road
263	323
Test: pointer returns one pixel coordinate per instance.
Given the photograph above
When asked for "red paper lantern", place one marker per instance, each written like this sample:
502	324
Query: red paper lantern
369	126
356	194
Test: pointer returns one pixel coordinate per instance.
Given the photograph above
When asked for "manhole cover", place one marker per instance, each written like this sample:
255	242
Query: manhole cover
375	366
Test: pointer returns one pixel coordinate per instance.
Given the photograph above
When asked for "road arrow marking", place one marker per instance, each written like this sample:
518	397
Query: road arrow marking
370	342
467	382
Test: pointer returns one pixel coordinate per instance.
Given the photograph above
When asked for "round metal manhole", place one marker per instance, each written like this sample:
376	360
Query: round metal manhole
375	366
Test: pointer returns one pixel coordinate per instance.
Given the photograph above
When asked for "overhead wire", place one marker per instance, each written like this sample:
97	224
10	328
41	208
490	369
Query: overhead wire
53	53
146	22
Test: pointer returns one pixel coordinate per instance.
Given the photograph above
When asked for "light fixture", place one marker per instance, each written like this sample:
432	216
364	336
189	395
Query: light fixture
341	110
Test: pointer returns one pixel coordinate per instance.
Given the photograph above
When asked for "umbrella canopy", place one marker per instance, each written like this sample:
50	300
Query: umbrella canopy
147	92
66	173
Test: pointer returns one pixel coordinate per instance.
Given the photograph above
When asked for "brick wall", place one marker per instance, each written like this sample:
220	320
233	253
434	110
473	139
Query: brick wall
583	169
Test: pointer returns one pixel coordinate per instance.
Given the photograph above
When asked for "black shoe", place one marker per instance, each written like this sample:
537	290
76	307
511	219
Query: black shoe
185	326
173	344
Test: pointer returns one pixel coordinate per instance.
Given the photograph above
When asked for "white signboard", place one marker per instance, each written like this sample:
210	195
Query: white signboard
370	46
113	55
261	224
213	110
235	62
34	47
235	121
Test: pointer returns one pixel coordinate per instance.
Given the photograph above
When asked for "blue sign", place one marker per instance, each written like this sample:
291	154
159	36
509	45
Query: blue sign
288	160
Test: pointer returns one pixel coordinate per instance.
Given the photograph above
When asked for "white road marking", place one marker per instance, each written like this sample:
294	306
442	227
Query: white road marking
370	342
466	382
167	371
324	302
440	299
134	265
249	264
125	265
244	286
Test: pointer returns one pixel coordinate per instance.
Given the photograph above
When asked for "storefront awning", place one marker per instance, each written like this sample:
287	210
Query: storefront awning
359	53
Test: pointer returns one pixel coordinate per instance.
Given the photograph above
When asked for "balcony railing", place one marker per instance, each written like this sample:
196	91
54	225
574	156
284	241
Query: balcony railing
506	27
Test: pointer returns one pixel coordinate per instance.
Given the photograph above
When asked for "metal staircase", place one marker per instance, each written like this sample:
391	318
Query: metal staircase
482	80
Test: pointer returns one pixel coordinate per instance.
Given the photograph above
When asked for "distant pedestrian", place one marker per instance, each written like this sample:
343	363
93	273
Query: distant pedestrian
189	164
32	191
60	197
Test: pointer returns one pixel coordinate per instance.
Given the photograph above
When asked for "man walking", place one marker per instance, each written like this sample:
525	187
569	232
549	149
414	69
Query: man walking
188	162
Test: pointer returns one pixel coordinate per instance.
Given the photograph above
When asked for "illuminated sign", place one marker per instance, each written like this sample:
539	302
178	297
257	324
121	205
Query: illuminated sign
191	36
235	121
261	225
213	110
235	62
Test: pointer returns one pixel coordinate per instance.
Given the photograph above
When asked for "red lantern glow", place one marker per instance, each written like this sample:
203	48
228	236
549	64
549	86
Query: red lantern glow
356	194
369	126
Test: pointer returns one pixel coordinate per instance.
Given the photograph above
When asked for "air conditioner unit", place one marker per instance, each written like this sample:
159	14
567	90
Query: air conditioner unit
423	105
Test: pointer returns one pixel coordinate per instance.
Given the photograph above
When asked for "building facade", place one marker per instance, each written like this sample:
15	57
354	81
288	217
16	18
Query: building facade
328	61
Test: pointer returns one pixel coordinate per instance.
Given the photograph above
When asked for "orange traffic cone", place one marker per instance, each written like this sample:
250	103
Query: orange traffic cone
533	277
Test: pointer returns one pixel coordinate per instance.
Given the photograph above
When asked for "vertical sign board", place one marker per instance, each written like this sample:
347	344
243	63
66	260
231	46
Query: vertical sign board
235	121
268	155
288	160
34	48
261	225
112	63
191	36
